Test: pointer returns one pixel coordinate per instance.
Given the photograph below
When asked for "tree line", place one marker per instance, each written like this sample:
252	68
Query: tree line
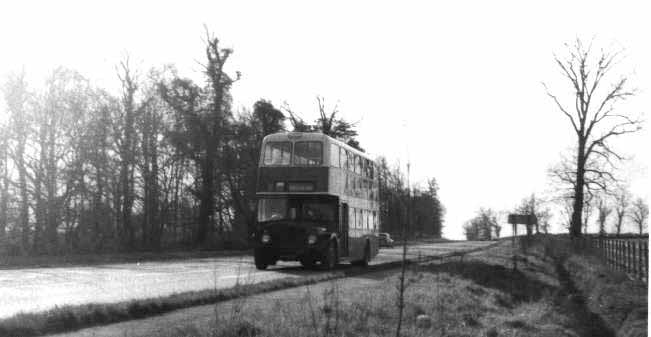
166	163
608	213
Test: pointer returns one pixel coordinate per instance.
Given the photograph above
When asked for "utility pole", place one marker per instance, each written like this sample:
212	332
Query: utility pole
401	294
409	206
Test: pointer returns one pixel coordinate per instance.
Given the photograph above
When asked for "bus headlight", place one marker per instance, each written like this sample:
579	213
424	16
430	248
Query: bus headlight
311	239
266	238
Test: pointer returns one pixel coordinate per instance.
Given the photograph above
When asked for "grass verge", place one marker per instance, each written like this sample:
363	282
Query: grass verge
608	298
481	295
478	296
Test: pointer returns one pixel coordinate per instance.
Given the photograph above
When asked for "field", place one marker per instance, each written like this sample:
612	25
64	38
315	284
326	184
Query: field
553	292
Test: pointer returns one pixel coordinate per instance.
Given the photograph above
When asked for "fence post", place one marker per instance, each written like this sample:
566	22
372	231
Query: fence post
610	253
627	252
628	255
636	255
631	258
601	248
645	254
621	256
638	259
618	253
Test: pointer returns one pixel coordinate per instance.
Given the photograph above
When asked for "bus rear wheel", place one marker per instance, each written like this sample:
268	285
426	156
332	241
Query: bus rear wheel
367	257
261	262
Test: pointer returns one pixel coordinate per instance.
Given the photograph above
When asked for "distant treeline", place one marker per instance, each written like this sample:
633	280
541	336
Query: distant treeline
164	164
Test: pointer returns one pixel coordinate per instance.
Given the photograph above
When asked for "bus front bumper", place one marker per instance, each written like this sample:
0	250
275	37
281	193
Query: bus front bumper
307	251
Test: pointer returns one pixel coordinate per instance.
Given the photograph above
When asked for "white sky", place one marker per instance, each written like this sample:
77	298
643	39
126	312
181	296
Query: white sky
455	86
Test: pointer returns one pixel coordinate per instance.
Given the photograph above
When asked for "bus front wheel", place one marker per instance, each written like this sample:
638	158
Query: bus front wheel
330	257
261	262
307	262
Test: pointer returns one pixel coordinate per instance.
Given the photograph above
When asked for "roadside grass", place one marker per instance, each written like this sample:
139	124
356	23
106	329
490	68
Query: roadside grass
479	295
67	318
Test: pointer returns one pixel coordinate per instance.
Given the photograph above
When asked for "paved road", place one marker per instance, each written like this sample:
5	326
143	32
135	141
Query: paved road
36	289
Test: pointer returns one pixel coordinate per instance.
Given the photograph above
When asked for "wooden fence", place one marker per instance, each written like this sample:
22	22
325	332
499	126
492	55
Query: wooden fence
630	256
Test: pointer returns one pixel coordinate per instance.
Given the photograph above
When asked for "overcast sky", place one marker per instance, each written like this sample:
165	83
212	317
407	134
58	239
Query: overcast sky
454	87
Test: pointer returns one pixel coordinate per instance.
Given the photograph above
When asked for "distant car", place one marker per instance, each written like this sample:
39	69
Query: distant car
385	240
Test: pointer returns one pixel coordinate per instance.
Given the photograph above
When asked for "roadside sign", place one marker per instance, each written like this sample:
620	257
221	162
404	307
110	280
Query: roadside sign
523	219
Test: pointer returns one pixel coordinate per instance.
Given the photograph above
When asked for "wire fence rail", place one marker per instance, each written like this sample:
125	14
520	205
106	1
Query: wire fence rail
628	255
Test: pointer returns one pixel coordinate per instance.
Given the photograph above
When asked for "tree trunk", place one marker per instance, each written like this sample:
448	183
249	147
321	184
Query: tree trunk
207	199
577	212
4	191
126	172
156	224
146	176
52	204
24	199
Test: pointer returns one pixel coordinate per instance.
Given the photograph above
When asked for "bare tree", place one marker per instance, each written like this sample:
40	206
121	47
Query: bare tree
201	126
640	214
534	206
327	123
4	184
596	92
482	226
126	139
622	204
16	96
595	183
604	210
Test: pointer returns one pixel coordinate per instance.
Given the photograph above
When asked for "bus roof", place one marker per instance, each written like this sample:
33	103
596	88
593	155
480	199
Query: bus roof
312	136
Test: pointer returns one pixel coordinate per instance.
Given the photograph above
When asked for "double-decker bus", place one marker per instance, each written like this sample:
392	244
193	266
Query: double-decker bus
317	202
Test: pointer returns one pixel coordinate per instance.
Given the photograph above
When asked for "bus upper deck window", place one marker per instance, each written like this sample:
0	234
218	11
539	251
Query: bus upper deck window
308	153
277	153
